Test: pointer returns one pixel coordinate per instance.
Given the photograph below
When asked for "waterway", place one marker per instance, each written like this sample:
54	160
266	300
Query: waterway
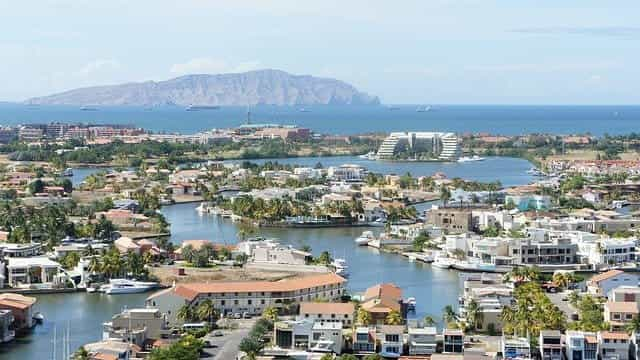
432	287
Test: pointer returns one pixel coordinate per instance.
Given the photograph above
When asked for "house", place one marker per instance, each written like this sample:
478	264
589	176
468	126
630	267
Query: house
364	340
550	344
613	345
21	308
515	347
304	334
625	293
39	271
6	326
422	341
527	202
20	250
136	326
391	340
581	345
112	350
328	312
452	220
453	341
126	245
619	314
602	284
252	297
380	300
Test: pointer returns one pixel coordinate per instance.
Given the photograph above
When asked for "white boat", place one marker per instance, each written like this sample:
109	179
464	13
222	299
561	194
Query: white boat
125	286
364	239
202	208
442	262
371	155
411	303
470	158
68	172
38	317
377	223
341	267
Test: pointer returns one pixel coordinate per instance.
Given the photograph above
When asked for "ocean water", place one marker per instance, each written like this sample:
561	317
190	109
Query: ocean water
509	120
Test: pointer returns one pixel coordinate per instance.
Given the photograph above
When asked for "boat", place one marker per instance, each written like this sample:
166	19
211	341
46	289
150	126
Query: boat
371	155
393	108
202	208
125	286
38	317
423	109
304	110
88	108
91	290
67	172
411	303
377	223
364	239
341	267
442	262
470	158
202	107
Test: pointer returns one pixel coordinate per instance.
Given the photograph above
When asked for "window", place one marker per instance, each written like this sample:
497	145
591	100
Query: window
222	302
262	301
236	302
248	302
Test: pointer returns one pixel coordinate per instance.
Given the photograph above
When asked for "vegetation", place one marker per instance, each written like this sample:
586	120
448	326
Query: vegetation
532	312
254	343
187	348
590	315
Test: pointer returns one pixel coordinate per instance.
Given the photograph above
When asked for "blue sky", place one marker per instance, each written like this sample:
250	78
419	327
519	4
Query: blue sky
429	51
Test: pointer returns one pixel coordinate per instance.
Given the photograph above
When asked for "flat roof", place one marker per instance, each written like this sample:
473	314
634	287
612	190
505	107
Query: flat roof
31	261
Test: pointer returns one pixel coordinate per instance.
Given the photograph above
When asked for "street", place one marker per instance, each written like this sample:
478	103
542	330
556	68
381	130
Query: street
226	347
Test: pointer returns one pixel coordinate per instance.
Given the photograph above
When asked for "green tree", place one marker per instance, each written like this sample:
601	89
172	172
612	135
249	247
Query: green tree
206	311
429	320
251	346
363	317
186	313
81	354
449	315
393	318
270	313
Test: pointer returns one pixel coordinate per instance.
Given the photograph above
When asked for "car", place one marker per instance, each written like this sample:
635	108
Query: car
217	333
207	344
237	316
246	315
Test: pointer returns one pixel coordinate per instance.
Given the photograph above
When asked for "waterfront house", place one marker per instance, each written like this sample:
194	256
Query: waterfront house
452	220
613	251
453	341
515	347
526	202
346	172
136	326
20	250
380	300
581	345
112	350
364	340
21	307
613	345
550	343
602	284
619	314
33	272
328	312
625	293
557	251
422	341
391	340
6	326
490	294
304	334
248	296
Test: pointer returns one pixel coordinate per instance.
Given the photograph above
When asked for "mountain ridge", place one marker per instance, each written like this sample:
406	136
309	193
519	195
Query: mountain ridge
258	87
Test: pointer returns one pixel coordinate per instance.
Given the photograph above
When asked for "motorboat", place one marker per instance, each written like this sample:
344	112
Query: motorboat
473	158
442	262
411	303
38	317
68	172
125	286
341	267
377	223
371	155
365	238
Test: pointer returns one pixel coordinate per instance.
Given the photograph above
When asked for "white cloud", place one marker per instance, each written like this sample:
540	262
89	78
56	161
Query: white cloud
98	66
208	65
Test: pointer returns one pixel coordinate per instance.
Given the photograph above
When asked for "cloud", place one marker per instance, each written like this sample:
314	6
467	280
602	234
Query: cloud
207	65
97	66
608	31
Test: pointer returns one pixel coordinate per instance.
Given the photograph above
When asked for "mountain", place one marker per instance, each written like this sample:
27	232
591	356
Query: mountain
269	87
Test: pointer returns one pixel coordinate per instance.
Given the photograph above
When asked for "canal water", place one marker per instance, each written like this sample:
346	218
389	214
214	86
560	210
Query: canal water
432	287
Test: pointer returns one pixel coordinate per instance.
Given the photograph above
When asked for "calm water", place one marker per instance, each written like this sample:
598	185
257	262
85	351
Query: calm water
351	119
434	288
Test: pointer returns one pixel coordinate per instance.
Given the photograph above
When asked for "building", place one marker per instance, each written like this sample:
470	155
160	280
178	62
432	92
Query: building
613	345
112	350
527	202
625	294
328	312
347	172
380	300
450	219
22	309
422	341
248	296
619	314
515	347
453	341
428	145
602	284
136	326
39	271
303	335
391	340
560	251
581	345
612	251
6	326
364	340
550	344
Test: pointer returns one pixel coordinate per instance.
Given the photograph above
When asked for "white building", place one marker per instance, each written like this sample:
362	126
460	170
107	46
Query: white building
602	284
347	172
613	345
581	345
422	341
37	271
444	146
391	340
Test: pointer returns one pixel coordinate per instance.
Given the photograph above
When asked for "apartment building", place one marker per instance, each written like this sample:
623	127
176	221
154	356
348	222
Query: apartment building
328	312
248	296
559	251
550	345
422	341
613	345
391	340
451	219
581	345
620	314
364	340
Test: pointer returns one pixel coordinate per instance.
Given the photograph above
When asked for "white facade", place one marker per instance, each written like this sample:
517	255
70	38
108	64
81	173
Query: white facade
581	345
444	146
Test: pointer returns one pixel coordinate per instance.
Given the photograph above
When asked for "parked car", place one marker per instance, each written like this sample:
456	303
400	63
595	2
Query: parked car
217	333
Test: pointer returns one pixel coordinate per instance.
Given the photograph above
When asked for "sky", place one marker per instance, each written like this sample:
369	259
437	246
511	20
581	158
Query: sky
405	52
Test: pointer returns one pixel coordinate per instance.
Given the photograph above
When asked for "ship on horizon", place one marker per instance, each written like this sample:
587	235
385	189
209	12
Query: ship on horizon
202	107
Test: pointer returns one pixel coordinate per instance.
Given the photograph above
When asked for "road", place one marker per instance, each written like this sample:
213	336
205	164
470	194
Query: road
226	347
557	299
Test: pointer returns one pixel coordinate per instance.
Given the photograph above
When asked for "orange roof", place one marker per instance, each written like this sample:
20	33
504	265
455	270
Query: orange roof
103	356
605	275
16	301
191	291
622	306
383	290
326	308
591	339
614	335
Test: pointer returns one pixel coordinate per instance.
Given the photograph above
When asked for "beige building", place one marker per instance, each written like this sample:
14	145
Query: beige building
328	312
452	220
619	314
136	326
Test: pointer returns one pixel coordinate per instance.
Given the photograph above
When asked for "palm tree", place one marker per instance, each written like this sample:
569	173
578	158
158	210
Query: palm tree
185	313
445	194
634	325
206	311
561	279
250	346
270	313
94	265
81	354
393	318
363	317
473	314
429	320
449	315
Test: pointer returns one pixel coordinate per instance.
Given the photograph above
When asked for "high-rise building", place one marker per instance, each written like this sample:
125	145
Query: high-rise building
430	145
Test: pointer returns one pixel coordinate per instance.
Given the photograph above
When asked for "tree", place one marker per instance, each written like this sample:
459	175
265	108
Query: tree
324	258
473	315
206	311
449	315
187	253
246	229
372	357
363	317
81	354
634	325
393	318
251	346
445	195
185	313
270	313
36	186
429	320
187	348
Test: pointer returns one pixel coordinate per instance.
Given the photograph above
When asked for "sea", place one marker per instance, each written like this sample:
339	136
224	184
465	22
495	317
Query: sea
347	120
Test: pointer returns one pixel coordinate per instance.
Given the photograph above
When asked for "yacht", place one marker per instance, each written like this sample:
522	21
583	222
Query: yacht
341	267
442	262
67	172
371	155
202	107
470	158
423	109
125	286
365	238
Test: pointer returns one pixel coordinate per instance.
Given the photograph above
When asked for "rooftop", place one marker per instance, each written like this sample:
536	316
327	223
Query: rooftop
326	308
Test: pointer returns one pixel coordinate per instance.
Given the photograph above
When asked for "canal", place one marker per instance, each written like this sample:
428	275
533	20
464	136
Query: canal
433	288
